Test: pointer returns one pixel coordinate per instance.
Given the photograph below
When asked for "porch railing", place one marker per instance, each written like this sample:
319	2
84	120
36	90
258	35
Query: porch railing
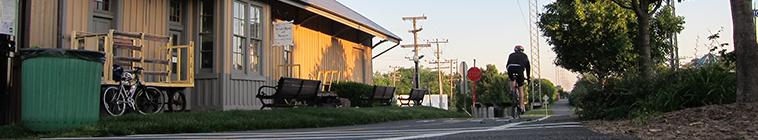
165	65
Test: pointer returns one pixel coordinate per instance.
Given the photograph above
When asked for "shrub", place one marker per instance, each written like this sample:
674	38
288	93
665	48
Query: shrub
603	103
352	91
628	95
690	88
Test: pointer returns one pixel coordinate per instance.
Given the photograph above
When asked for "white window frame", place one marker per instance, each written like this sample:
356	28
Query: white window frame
247	46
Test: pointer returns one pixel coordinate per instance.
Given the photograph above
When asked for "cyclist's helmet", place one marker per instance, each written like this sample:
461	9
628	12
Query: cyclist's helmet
518	48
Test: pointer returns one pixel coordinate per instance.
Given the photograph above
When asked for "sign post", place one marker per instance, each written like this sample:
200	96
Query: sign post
545	102
474	74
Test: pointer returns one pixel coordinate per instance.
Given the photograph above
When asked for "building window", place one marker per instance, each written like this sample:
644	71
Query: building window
103	5
175	11
206	33
247	41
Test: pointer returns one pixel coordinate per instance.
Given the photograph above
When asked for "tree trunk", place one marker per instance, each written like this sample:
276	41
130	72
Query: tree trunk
746	49
643	44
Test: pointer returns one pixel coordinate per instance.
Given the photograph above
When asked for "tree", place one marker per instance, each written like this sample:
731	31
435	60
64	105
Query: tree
642	9
589	37
606	31
382	79
548	89
562	93
746	49
493	86
663	26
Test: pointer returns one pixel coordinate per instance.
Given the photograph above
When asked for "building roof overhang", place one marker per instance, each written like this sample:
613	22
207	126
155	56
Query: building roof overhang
340	13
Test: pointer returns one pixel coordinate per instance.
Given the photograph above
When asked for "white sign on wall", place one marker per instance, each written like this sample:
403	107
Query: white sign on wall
283	33
7	16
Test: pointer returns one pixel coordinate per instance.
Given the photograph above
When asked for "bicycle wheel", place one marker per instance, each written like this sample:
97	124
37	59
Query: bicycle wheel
177	102
113	101
150	100
516	107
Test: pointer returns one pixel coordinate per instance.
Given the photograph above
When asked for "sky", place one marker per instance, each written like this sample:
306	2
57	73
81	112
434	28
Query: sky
487	31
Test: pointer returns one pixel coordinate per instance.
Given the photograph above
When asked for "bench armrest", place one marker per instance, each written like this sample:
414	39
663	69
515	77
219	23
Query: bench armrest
263	94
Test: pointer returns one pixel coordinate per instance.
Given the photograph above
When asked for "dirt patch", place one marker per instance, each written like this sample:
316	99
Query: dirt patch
732	121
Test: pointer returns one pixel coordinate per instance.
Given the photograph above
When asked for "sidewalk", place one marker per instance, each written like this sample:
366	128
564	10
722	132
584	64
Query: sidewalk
561	108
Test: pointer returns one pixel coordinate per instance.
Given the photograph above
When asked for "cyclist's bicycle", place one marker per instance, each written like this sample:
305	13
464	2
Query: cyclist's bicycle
516	106
148	100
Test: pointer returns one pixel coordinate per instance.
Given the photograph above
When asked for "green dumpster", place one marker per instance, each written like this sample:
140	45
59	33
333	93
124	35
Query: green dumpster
60	88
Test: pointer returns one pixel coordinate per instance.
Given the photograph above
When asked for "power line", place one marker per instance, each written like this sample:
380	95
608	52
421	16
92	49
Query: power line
522	13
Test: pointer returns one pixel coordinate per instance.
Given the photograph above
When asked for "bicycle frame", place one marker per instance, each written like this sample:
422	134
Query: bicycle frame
516	107
127	95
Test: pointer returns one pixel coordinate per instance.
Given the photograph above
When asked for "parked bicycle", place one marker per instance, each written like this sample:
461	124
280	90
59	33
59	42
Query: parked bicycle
148	100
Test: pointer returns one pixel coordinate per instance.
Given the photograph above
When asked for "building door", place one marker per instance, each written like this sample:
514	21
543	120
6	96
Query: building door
177	39
177	14
103	13
360	66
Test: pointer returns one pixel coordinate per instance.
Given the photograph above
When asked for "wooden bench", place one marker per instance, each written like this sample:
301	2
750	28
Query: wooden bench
416	96
383	94
288	91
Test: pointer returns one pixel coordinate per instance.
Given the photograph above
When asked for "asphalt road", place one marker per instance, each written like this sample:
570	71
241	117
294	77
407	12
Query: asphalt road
555	127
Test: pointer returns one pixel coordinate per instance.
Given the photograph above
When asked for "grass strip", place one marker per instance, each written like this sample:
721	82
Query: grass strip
235	120
540	112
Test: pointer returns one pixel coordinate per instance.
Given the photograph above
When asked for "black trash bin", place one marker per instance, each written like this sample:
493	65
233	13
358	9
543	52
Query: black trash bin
60	88
498	111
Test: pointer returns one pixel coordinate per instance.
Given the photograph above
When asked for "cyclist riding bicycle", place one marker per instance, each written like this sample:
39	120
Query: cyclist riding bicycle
517	64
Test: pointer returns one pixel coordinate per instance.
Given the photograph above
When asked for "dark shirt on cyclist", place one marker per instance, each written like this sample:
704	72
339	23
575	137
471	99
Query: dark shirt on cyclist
518	63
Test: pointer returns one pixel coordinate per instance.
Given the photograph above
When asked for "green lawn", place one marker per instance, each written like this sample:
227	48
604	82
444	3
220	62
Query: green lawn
540	112
236	120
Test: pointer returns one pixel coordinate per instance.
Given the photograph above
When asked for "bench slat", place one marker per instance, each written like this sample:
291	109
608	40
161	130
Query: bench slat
383	94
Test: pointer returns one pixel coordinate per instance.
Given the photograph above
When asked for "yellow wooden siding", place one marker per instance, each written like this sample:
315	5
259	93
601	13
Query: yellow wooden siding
77	17
147	16
316	51
43	26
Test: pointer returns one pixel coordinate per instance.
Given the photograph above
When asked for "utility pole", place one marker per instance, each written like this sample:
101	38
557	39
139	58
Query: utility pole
415	46
394	77
452	65
439	73
674	40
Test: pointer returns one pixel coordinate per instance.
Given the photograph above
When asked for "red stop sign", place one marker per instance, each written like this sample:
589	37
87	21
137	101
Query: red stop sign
474	74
